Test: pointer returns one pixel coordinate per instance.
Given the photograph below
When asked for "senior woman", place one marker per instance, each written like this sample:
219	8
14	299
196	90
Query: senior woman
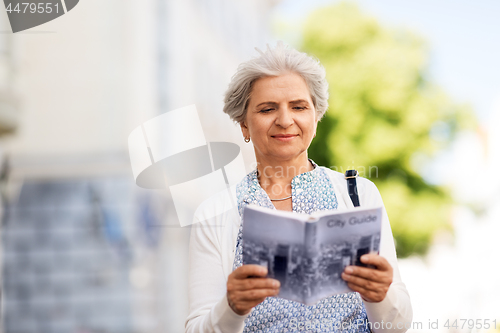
278	99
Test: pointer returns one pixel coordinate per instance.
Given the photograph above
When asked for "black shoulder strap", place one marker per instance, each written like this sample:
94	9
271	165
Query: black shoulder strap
350	176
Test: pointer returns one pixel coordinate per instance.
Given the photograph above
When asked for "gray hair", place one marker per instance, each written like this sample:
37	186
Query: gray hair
275	62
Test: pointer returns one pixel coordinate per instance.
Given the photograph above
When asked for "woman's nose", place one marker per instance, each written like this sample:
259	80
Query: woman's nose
284	118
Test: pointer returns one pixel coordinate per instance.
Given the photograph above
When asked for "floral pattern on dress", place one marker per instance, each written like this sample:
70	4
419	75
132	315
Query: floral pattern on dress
311	191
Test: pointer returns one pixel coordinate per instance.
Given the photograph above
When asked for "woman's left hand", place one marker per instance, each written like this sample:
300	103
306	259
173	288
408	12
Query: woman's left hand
371	283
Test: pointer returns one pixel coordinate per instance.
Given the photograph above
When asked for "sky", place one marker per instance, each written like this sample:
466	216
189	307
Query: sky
464	39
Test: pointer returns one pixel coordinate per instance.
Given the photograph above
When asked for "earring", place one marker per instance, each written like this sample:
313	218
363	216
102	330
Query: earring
247	140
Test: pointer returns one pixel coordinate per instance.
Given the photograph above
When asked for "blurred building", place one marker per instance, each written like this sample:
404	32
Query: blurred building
84	249
8	101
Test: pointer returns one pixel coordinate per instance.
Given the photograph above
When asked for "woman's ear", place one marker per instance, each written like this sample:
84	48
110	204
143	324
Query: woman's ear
244	129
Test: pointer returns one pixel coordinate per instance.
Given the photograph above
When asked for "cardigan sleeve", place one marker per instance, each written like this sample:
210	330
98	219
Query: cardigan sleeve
396	307
209	310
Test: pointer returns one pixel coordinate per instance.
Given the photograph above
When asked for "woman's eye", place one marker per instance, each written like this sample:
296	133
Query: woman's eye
299	107
266	110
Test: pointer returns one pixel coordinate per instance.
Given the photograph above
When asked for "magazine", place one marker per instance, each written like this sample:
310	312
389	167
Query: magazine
308	253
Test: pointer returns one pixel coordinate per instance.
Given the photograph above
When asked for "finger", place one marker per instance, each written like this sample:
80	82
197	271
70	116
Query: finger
257	283
235	285
242	302
369	274
376	260
368	295
245	271
254	295
364	283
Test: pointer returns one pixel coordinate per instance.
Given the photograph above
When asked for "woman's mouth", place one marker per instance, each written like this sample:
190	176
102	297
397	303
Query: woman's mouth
284	137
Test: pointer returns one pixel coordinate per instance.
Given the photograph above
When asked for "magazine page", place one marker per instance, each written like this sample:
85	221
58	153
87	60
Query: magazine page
342	239
275	239
308	254
309	269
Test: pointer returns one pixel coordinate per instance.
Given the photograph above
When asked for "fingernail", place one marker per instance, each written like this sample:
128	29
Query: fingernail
349	270
276	284
263	270
364	258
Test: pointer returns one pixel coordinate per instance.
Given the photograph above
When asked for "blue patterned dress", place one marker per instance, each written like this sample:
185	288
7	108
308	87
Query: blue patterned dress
311	191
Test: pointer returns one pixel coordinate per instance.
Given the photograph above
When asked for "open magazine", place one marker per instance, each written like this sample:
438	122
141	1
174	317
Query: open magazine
308	253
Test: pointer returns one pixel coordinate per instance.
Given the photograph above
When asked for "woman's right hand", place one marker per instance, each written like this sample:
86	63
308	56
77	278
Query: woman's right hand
248	286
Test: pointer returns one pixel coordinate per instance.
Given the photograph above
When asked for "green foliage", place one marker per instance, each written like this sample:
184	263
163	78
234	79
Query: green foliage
384	117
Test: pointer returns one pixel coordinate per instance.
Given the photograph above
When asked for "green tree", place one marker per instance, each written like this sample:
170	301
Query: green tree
384	117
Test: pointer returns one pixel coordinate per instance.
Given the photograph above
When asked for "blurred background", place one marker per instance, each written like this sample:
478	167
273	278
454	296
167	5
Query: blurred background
414	106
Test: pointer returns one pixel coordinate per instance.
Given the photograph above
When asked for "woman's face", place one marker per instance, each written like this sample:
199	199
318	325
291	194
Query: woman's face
280	119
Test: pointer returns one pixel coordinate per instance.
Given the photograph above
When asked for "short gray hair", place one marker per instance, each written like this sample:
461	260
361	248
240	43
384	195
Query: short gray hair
275	62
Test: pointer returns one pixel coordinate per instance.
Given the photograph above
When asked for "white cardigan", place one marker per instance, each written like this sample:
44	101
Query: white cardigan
211	255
